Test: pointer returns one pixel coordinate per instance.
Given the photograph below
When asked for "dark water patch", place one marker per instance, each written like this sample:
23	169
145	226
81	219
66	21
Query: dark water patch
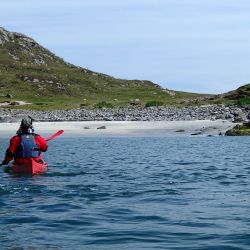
210	168
67	174
186	163
66	224
126	237
58	207
21	220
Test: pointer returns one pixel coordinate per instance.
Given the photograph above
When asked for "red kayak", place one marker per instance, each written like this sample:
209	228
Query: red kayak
31	167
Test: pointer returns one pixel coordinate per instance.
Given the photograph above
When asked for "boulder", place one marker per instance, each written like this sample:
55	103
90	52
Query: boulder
180	131
102	127
9	96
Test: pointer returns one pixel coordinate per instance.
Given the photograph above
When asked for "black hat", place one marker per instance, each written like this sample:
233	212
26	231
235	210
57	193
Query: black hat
26	123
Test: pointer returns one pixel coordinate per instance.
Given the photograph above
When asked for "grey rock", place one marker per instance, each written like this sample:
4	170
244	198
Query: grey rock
102	127
9	96
197	133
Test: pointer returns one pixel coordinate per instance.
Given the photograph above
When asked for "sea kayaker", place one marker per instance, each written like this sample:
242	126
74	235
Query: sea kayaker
26	144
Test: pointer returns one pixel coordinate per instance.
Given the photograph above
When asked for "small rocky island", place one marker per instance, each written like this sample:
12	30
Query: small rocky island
239	130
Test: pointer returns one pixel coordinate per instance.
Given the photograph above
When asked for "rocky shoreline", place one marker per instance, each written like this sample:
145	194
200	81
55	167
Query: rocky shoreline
208	112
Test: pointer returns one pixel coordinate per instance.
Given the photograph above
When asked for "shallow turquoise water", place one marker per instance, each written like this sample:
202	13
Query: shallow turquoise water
131	193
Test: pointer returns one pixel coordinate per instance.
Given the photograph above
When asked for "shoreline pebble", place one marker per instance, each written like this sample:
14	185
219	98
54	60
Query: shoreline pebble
208	112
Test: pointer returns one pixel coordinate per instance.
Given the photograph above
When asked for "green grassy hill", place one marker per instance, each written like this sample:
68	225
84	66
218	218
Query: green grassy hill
240	96
31	73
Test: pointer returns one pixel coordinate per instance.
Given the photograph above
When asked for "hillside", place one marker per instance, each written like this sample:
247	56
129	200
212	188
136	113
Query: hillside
31	73
240	95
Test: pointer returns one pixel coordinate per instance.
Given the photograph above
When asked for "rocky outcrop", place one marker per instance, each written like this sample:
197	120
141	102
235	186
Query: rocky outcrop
20	46
239	130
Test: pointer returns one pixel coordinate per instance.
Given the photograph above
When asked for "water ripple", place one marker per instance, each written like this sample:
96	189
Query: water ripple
132	193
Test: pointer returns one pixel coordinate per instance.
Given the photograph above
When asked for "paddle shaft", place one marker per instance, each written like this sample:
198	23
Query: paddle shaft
59	132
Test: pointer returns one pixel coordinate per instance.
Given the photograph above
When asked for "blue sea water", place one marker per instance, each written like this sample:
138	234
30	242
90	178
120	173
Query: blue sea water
131	193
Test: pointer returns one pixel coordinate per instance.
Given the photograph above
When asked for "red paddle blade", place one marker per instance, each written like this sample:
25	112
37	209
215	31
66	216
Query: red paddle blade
59	132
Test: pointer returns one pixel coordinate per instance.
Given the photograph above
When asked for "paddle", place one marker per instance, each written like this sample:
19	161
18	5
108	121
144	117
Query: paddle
59	132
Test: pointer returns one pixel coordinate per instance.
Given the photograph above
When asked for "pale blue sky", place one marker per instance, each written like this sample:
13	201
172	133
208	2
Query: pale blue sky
190	45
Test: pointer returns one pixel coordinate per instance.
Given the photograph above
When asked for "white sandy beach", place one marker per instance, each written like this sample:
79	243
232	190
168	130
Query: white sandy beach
126	128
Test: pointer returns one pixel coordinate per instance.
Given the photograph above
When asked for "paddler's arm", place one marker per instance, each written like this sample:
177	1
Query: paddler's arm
11	150
41	143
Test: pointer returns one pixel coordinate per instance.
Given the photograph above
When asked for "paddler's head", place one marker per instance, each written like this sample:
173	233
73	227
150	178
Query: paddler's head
26	125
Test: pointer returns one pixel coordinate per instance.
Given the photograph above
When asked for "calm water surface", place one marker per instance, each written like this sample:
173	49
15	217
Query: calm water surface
131	193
